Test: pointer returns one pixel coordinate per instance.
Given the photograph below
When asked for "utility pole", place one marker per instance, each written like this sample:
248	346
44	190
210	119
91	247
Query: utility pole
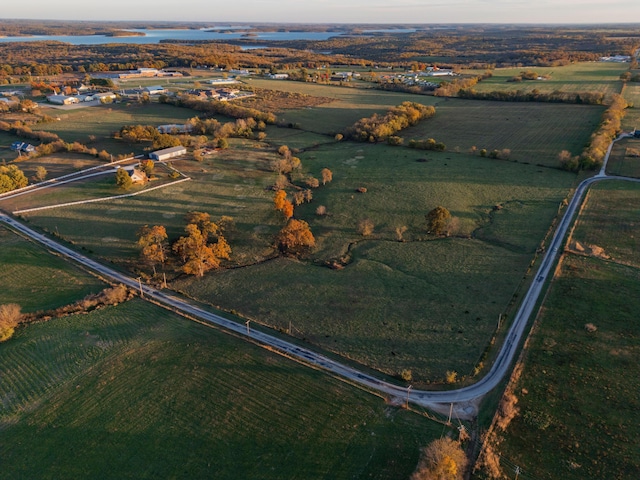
450	412
248	331
165	279
517	472
408	390
140	285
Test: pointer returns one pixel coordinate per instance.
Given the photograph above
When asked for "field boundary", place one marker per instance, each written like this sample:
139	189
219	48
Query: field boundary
94	200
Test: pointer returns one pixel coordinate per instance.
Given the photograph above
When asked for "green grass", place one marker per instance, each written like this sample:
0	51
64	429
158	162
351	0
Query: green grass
579	415
534	132
58	164
611	220
594	77
350	104
631	120
37	280
134	391
102	121
622	160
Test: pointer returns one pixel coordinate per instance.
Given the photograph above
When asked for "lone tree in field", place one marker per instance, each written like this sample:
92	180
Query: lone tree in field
437	220
327	175
123	180
153	241
41	173
442	459
295	238
9	318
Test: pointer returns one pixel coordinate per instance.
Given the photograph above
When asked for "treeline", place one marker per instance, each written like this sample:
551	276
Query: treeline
580	98
11	178
428	144
451	89
380	127
593	156
230	109
24	131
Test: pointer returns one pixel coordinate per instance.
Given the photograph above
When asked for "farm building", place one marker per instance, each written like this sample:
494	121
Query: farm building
62	99
167	153
22	147
155	90
223	81
106	96
139	177
279	76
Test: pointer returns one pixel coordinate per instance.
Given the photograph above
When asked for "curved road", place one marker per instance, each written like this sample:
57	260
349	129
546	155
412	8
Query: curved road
463	398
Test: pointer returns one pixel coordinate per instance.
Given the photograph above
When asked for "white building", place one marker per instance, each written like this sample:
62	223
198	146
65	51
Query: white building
62	99
167	153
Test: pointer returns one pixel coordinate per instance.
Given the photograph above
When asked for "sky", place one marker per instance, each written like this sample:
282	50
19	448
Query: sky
333	11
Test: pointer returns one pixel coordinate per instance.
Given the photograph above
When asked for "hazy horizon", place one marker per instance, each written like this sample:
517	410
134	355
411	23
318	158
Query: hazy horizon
334	11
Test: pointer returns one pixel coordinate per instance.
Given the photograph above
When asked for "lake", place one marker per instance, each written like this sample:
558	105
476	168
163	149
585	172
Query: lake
154	36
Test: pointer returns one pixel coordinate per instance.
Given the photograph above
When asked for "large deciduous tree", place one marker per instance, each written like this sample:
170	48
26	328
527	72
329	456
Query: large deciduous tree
153	241
123	180
327	175
437	220
9	318
295	238
11	178
442	459
198	255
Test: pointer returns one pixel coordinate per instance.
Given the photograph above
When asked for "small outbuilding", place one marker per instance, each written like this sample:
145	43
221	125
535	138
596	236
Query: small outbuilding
167	153
62	99
155	90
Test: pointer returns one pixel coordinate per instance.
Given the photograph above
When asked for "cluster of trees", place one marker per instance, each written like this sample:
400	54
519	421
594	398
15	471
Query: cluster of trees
528	75
380	127
24	131
451	89
202	249
230	109
585	98
428	144
11	178
593	155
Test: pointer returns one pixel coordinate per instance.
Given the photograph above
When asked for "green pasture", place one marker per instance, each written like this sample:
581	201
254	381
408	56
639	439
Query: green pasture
501	212
58	164
623	160
103	120
134	391
534	132
611	220
578	394
37	280
631	120
350	104
593	77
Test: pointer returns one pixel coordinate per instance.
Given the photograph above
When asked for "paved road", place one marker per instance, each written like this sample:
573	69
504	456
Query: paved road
463	398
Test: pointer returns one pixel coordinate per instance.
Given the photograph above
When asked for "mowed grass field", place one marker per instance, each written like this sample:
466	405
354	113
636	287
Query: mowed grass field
534	132
623	160
58	164
134	391
580	409
611	220
350	104
631	120
37	280
593	77
426	304
103	120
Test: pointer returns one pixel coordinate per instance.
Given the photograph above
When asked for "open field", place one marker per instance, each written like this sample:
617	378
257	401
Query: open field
58	164
631	120
101	186
534	132
410	290
37	280
134	391
102	121
611	221
594	77
578	394
625	158
351	104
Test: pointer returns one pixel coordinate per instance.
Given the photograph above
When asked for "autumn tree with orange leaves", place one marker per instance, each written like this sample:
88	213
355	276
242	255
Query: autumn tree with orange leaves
295	238
197	250
153	241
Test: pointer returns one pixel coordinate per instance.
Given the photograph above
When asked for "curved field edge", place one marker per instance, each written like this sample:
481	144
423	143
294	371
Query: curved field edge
136	391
